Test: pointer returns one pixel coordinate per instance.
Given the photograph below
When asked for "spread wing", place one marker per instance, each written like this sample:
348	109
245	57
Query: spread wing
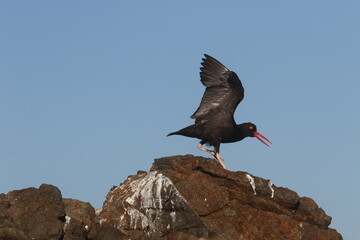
223	93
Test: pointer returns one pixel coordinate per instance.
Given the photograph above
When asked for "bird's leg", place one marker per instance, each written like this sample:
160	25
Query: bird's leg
221	161
216	154
206	150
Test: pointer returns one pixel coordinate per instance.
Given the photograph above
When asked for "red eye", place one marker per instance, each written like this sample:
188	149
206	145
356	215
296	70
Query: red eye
251	127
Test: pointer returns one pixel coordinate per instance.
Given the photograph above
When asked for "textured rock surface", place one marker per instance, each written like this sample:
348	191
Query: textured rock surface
187	197
79	220
32	214
43	214
148	205
182	197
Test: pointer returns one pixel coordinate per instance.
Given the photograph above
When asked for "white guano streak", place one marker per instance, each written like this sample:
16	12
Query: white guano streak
150	190
252	182
271	188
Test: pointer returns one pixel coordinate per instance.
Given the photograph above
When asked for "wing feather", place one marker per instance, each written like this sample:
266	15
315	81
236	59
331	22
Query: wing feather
223	93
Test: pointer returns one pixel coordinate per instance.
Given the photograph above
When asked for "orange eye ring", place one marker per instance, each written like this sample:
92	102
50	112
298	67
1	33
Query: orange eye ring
251	127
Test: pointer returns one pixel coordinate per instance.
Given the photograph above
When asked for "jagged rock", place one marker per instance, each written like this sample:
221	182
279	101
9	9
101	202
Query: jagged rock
79	220
43	214
149	206
32	214
187	197
181	198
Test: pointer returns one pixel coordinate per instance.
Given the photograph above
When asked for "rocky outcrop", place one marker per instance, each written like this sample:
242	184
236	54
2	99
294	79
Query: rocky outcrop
43	214
186	197
181	197
79	220
148	205
32	214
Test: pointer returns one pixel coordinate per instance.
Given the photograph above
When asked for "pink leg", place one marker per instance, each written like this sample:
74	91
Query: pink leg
221	161
215	154
206	150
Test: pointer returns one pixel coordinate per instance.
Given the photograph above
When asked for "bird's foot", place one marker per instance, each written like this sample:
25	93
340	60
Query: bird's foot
223	165
221	161
218	157
215	154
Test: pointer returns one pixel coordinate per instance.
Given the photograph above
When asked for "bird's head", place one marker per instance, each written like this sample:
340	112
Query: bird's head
250	130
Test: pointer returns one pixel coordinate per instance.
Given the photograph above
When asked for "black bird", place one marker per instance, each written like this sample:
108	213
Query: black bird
214	119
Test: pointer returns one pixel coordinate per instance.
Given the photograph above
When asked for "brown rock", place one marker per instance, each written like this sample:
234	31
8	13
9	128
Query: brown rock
181	198
9	230
79	220
42	214
309	210
187	197
181	236
148	206
34	213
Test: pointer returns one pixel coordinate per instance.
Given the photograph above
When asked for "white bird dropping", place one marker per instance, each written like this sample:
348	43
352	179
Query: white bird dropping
252	182
271	188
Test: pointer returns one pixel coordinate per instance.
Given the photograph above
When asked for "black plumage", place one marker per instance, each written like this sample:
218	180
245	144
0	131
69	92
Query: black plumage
214	119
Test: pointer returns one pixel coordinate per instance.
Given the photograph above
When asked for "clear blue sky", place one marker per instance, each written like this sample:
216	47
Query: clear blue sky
89	90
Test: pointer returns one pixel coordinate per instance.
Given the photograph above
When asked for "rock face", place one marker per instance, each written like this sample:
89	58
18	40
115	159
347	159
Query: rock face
182	197
43	214
32	214
148	205
79	220
187	197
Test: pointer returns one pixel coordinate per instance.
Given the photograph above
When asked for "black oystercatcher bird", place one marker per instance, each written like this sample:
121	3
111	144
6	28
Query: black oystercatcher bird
214	119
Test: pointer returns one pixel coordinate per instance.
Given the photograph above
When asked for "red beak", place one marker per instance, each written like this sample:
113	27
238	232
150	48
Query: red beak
261	137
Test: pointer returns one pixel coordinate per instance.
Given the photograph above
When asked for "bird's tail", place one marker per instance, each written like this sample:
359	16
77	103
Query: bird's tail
173	133
189	131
